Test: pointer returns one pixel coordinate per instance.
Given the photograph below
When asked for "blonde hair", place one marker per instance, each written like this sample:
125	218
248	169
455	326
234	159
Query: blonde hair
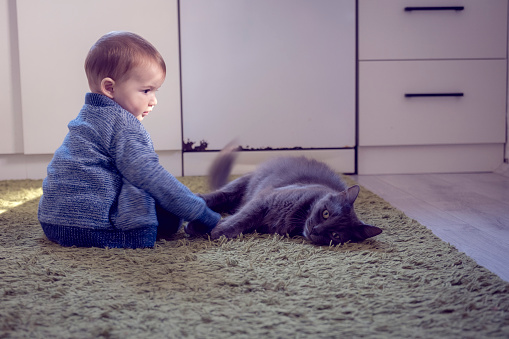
116	53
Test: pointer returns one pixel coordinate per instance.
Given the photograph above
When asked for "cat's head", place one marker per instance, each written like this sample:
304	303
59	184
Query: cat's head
333	220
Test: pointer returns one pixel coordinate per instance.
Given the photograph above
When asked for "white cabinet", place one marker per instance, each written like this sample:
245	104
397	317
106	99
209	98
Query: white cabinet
273	74
54	38
431	86
278	75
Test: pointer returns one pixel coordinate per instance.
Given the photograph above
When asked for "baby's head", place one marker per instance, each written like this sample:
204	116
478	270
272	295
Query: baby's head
128	69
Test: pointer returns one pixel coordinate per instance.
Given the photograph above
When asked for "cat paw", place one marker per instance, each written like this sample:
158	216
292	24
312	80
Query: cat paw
219	231
196	228
216	234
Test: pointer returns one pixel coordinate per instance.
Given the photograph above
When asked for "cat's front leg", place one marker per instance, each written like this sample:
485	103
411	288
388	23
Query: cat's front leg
247	220
224	228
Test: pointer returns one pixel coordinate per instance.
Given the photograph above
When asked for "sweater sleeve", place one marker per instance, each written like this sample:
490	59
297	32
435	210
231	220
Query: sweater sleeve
137	161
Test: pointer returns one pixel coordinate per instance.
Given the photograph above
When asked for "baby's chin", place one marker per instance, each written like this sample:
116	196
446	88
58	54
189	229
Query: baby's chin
141	116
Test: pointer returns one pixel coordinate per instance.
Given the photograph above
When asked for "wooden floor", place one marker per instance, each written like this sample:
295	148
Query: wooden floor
469	211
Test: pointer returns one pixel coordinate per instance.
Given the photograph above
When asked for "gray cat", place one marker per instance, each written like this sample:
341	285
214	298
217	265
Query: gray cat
286	195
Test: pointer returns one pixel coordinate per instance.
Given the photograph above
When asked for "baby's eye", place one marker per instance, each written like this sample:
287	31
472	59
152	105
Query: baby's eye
146	91
325	214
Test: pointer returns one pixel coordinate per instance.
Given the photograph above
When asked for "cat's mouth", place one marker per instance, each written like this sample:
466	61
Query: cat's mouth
307	229
310	232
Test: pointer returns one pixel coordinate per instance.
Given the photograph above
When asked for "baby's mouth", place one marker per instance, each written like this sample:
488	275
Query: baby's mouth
144	114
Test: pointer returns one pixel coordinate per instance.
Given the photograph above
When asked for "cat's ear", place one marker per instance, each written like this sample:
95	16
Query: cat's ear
352	193
366	231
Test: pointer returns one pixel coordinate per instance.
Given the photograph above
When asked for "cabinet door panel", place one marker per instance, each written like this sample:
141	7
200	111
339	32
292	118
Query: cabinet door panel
387	31
387	117
55	37
277	74
11	134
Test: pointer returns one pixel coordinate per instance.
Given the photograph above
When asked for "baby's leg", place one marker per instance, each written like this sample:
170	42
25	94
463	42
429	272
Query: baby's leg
169	223
135	208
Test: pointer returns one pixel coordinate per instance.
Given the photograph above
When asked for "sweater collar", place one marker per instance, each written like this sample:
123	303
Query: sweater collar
101	100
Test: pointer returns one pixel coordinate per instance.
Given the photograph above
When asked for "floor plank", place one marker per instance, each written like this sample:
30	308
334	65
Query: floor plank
469	211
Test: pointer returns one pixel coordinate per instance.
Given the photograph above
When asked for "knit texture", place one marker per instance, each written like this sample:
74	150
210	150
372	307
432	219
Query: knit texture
106	178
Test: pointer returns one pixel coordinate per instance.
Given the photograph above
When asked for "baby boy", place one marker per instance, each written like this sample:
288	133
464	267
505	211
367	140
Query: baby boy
105	186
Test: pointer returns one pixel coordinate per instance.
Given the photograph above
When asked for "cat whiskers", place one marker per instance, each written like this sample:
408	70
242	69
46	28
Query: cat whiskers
300	215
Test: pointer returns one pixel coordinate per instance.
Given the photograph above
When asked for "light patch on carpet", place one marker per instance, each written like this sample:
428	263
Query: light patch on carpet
15	194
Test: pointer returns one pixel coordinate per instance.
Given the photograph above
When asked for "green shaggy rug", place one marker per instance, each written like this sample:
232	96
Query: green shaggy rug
404	283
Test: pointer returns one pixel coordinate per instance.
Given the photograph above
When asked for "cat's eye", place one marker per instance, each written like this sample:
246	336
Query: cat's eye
325	214
335	235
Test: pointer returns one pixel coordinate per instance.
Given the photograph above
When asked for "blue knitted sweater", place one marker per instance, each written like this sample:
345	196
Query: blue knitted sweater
106	178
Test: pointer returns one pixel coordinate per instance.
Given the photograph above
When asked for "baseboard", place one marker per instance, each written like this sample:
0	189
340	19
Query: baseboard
23	166
503	169
341	160
430	159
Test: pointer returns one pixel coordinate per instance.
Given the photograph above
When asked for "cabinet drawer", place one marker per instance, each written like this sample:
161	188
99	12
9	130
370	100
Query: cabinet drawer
388	31
388	117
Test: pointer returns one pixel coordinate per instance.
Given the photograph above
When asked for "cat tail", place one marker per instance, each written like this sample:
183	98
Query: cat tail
222	166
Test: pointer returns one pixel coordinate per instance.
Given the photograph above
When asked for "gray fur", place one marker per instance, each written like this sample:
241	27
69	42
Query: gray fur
222	166
286	195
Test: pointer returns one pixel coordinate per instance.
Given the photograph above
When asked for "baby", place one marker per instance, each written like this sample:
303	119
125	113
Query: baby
105	186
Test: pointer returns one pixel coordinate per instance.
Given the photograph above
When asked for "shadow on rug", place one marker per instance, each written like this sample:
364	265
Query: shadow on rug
404	283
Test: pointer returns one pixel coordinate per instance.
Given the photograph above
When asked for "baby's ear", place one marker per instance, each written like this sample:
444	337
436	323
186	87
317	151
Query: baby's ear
107	85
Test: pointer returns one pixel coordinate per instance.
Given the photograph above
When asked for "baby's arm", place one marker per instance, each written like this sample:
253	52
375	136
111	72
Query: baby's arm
137	161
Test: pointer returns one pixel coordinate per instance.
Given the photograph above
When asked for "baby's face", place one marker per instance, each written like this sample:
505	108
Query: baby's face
137	94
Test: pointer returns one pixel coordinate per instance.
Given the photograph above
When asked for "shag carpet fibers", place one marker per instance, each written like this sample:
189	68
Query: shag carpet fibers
404	283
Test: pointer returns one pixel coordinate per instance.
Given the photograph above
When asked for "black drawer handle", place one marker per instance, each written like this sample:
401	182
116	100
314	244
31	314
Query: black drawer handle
441	8
414	95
